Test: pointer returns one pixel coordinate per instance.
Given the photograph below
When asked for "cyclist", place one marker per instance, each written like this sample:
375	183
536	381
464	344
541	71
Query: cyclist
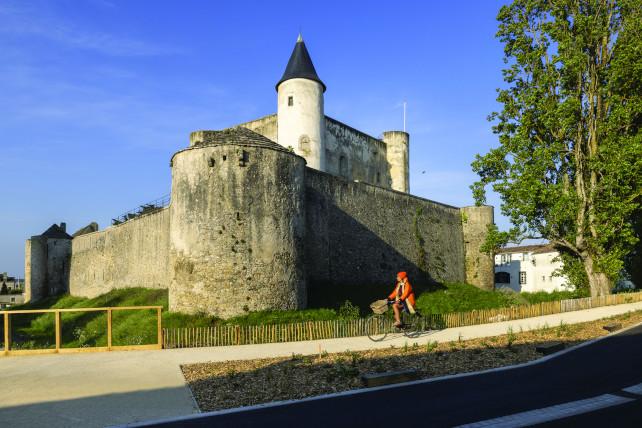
402	298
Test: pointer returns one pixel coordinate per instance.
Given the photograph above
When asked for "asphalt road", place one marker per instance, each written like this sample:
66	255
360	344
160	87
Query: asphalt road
604	367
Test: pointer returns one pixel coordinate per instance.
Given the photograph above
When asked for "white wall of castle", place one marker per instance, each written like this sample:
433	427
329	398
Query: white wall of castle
301	121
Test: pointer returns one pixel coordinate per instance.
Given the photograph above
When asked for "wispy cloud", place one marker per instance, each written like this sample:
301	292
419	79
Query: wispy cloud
24	21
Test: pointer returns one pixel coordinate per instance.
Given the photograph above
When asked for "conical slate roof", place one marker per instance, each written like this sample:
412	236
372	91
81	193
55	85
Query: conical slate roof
300	65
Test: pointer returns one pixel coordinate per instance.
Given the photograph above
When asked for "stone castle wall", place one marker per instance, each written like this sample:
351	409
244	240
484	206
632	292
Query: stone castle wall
359	234
251	228
480	267
354	155
132	254
237	230
350	153
46	267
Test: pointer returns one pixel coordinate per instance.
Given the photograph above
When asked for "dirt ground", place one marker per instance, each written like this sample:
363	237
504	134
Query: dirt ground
229	384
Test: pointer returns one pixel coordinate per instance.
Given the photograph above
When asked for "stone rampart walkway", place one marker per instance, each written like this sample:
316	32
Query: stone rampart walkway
107	388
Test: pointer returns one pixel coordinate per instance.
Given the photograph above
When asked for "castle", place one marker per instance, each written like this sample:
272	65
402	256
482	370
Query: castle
267	212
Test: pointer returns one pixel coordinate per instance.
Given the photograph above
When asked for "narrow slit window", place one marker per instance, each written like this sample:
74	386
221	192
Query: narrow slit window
290	101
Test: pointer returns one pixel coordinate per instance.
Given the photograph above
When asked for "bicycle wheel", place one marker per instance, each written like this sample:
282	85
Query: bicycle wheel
414	328
376	328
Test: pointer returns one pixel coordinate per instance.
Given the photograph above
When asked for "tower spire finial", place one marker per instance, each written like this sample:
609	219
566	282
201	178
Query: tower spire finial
300	38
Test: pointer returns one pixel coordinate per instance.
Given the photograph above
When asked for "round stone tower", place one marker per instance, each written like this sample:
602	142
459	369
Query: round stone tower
237	225
301	120
397	143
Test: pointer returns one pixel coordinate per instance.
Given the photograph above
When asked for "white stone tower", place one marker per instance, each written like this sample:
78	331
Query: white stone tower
301	120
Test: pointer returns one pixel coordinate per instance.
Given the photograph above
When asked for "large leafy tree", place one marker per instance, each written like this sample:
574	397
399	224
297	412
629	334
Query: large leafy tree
569	163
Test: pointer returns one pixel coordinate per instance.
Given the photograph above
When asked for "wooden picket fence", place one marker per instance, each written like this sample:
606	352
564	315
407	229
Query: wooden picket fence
225	335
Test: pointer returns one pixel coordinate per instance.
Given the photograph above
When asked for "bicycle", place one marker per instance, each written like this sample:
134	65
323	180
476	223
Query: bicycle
378	325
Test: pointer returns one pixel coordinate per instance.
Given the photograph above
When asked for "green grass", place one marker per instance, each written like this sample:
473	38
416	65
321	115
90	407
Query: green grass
464	297
82	329
543	296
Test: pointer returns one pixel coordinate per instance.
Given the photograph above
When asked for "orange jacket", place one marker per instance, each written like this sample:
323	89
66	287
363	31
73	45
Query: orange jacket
405	288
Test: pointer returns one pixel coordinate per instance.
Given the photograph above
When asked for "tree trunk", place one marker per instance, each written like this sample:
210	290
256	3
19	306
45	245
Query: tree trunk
599	283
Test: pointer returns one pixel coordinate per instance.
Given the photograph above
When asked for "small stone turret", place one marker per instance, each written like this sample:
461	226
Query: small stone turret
397	143
301	119
47	260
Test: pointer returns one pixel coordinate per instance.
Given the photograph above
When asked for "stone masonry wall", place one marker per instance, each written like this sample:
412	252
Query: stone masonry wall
35	268
359	234
480	267
349	153
355	155
237	230
132	254
266	126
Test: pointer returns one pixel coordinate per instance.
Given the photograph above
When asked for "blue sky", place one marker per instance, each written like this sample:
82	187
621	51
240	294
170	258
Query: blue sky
96	96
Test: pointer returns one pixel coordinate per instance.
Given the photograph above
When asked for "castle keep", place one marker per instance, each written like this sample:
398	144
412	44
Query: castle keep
264	213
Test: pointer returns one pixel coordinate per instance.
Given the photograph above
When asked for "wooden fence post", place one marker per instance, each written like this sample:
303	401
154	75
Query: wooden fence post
58	330
109	329
7	333
159	326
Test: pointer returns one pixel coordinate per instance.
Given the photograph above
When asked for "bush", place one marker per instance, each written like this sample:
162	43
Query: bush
348	311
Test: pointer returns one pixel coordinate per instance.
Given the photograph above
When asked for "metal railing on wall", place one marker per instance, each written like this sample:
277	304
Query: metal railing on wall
144	209
58	331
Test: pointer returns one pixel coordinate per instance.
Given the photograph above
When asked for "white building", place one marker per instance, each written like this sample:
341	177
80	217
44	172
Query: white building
529	268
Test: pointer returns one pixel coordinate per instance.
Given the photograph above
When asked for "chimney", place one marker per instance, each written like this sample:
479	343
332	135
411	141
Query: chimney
63	226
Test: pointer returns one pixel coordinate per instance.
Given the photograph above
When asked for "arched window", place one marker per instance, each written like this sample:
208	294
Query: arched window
502	278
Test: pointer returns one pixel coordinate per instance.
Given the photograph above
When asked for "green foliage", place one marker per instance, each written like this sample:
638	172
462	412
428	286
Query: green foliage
633	263
431	345
458	297
4	289
495	239
82	329
569	163
282	317
419	240
511	337
543	296
348	311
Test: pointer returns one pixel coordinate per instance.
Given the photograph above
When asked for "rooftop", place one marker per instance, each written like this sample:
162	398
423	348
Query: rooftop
535	249
300	65
56	232
235	135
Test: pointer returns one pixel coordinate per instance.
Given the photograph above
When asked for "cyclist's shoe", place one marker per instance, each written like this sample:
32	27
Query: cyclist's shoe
400	326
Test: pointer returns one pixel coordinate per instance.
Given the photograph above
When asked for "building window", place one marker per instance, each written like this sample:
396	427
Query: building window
543	278
502	278
290	101
378	178
525	256
522	277
506	258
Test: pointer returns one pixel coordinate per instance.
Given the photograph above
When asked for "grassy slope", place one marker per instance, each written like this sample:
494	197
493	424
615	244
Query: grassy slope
139	327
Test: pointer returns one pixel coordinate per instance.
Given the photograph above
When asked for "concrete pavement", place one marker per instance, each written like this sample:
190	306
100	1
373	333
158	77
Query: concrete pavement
98	389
